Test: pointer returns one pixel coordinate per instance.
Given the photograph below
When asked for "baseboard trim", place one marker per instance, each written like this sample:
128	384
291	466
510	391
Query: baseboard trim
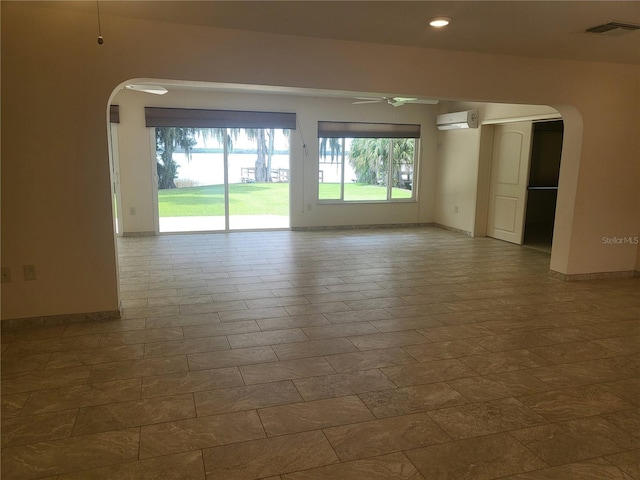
578	277
53	320
138	234
453	229
361	227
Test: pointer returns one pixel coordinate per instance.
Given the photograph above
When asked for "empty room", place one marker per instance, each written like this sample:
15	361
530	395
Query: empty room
305	240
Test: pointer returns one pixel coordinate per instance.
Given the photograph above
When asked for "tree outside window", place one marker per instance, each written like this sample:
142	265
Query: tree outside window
366	169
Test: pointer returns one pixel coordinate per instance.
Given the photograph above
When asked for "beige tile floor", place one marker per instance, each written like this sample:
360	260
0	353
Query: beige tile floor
364	354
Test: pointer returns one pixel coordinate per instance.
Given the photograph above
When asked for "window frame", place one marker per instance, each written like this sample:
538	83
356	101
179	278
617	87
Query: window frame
356	130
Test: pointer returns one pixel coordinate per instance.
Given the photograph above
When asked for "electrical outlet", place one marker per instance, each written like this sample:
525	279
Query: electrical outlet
29	272
6	275
455	209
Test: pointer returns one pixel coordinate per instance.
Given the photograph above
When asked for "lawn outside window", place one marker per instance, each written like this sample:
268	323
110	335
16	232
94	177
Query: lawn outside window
367	162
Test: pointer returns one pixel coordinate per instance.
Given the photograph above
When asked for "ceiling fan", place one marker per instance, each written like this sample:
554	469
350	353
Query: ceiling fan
394	101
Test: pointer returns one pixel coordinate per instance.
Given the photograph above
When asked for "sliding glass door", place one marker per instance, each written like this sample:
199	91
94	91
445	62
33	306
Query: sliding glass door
258	166
190	179
212	179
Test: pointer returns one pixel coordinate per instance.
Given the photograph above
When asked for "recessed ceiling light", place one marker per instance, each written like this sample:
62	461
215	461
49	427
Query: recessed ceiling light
439	22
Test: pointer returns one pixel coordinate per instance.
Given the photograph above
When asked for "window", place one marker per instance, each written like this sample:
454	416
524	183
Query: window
366	162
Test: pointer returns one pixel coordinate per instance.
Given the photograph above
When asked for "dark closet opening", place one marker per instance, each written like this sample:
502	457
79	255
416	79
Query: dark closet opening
542	191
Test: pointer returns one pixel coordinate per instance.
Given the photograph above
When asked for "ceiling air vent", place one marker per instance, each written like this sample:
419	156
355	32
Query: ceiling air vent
613	28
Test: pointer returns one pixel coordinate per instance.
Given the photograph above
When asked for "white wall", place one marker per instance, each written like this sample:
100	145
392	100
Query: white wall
135	160
57	82
457	178
137	153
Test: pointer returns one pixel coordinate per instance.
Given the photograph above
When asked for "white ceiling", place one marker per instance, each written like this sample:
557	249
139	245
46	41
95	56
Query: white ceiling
541	28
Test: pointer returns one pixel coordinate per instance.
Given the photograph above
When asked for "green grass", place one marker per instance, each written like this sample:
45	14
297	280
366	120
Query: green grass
256	198
359	192
244	199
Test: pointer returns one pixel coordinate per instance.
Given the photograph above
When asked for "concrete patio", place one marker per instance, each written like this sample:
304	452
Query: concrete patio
216	223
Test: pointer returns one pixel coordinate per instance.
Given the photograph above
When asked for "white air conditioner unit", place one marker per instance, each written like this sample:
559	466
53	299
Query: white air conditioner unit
456	120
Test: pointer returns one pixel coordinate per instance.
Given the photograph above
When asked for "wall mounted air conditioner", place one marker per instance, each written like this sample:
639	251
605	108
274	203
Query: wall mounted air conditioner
456	120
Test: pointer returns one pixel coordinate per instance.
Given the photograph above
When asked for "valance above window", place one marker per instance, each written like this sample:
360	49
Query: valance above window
367	130
200	118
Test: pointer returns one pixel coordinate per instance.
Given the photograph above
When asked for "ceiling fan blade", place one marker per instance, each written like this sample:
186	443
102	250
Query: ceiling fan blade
403	99
424	101
362	102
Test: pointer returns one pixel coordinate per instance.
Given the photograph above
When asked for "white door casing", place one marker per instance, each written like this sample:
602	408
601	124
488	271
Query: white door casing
509	179
114	163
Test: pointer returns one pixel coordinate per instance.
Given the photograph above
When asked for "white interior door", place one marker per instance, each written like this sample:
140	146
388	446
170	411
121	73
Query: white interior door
509	179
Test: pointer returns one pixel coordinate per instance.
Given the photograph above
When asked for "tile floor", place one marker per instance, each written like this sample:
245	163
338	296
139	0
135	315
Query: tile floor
364	354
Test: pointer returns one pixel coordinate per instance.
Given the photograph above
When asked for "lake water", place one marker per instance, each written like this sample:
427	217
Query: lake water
208	168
